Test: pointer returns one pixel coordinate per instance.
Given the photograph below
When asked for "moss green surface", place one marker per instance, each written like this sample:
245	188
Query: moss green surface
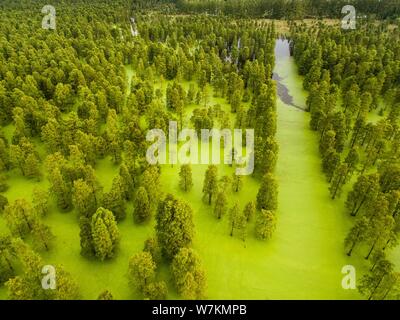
302	261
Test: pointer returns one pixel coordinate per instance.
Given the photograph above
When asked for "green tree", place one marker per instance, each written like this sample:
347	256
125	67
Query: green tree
185	177
365	188
86	238
152	246
265	224
237	183
20	218
40	202
188	275
42	236
174	226
220	205
105	233
210	185
338	180
142	211
356	234
105	295
83	198
267	196
7	258
371	283
141	271
60	189
249	210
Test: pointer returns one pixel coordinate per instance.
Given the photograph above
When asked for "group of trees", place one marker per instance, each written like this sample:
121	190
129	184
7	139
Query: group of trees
291	9
27	285
172	244
348	75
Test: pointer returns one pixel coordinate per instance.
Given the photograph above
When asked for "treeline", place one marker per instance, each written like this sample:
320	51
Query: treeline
350	75
290	9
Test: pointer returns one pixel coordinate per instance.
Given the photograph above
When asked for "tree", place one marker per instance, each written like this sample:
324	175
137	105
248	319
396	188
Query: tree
237	221
370	283
357	234
66	288
330	162
156	291
114	200
141	271
60	189
352	160
142	211
127	181
105	233
3	203
19	217
265	224
151	182
338	180
174	226
185	175
28	284
267	196
7	258
188	275
142	276
83	198
249	210
40	201
105	295
220	205
42	236
32	167
365	188
86	239
152	246
237	182
210	185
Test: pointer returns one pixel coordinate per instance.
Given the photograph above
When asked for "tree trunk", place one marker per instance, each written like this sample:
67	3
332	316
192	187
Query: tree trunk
372	249
376	287
337	188
387	242
359	207
387	292
351	249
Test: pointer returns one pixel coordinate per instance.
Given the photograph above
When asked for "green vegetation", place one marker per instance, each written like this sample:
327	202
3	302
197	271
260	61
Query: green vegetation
79	196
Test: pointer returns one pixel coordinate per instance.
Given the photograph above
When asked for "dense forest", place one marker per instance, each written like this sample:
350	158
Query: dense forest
67	103
278	9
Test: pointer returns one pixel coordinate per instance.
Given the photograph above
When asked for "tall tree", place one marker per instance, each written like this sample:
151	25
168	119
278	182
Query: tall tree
210	185
142	211
105	233
220	205
174	226
267	196
265	224
185	175
188	274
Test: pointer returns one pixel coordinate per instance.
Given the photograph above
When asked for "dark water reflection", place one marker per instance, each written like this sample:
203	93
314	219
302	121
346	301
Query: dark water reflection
282	52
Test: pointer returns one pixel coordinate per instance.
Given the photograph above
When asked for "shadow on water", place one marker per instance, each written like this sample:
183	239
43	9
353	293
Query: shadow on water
282	51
